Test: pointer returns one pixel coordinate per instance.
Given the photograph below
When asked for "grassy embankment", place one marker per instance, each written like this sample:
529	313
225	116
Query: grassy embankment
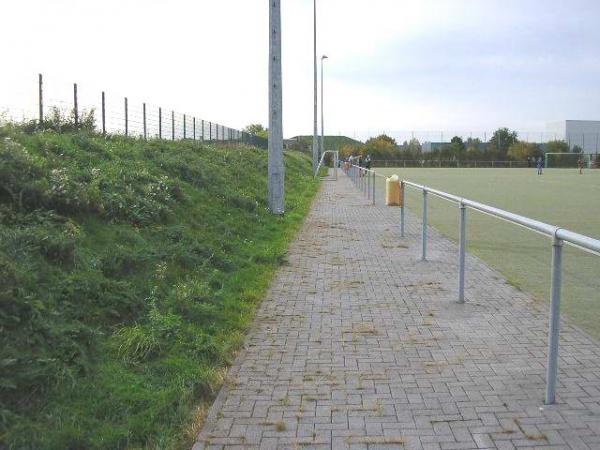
560	197
129	273
330	142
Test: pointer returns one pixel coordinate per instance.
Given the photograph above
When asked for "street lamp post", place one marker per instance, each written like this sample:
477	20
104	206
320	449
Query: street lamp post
276	166
322	116
315	146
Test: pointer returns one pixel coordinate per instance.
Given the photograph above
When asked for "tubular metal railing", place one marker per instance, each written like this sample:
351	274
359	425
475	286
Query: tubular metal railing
558	235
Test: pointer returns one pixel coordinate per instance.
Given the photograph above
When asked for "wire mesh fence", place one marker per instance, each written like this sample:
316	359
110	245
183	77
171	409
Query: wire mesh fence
450	163
108	114
588	141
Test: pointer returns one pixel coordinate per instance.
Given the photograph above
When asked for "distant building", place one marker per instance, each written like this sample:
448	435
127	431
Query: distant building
582	133
428	147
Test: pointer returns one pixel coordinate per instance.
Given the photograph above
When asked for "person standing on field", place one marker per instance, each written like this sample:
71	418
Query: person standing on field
580	165
539	165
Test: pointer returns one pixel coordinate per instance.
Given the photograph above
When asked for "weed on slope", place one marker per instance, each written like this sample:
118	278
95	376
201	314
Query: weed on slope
129	272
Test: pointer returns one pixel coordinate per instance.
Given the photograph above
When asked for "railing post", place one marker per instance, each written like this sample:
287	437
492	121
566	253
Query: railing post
172	125
184	128
364	181
424	238
402	199
554	326
462	242
374	179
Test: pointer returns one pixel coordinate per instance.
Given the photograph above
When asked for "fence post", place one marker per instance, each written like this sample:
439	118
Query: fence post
554	326
202	139
172	125
402	200
126	118
210	131
424	238
144	115
194	126
75	107
462	242
41	98
159	122
103	114
184	126
368	175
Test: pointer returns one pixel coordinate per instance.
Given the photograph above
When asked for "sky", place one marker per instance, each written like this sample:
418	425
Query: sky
426	66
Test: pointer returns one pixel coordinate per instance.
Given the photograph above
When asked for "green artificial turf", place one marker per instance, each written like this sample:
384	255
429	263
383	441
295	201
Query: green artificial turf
559	197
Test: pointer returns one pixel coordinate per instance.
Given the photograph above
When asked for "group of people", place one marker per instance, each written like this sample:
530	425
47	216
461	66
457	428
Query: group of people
539	164
360	161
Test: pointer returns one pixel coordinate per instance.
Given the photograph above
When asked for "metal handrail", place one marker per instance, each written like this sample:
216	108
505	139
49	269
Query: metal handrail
558	235
578	240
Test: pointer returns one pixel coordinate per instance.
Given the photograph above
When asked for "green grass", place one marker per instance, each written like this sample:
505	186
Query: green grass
331	142
129	273
560	197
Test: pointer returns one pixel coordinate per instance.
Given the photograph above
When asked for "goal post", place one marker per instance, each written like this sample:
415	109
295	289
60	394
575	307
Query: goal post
335	161
566	160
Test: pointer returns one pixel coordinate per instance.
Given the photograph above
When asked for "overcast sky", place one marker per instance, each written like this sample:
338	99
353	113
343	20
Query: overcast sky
466	65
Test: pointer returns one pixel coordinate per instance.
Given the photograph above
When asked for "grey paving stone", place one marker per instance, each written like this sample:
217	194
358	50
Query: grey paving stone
359	344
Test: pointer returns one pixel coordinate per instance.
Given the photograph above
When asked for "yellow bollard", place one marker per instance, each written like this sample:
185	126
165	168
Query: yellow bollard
392	191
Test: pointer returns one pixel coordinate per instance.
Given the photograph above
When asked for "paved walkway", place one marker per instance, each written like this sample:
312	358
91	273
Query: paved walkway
361	345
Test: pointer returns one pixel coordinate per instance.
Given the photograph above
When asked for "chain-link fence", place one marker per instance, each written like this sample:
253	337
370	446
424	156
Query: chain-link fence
108	114
588	141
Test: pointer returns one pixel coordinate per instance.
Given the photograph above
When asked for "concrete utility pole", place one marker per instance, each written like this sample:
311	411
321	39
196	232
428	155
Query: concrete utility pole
276	166
315	147
322	116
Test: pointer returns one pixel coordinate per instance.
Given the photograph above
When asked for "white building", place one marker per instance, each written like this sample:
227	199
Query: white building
583	133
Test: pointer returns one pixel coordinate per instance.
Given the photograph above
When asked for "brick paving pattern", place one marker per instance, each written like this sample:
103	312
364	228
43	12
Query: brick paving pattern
360	345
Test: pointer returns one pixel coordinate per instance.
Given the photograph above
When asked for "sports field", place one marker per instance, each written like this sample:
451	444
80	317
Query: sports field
559	197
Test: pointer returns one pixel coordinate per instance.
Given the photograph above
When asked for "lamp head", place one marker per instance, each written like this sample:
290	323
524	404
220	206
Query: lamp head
324	57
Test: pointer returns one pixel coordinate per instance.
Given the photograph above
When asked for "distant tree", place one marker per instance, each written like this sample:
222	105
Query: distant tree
381	147
347	150
520	151
557	146
501	141
577	149
257	129
411	149
473	147
384	138
456	148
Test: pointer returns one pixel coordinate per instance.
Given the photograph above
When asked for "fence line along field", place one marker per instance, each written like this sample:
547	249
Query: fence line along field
559	197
